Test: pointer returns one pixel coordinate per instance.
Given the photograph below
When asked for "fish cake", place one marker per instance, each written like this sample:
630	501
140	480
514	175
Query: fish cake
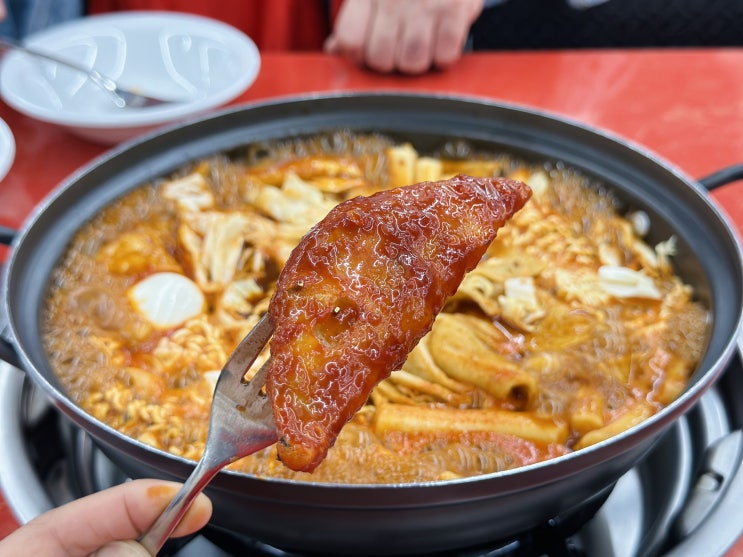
361	289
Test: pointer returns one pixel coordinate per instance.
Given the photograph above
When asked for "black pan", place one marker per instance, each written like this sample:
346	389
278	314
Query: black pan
394	519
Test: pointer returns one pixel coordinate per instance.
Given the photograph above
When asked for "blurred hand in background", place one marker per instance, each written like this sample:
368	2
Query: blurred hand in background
408	36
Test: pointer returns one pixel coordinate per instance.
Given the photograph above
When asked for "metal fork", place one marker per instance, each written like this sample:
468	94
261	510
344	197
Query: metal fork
241	423
121	97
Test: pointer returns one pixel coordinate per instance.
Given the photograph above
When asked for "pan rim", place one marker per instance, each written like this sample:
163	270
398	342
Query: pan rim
595	452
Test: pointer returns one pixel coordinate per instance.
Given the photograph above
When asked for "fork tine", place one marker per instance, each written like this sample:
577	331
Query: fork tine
246	353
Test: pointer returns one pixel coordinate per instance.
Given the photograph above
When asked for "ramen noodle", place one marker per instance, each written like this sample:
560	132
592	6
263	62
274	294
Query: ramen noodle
570	330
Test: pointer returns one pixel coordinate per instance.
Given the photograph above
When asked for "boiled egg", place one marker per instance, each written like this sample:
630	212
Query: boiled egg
167	299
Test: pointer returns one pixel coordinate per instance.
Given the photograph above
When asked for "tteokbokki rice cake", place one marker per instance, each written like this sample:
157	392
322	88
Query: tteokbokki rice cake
572	328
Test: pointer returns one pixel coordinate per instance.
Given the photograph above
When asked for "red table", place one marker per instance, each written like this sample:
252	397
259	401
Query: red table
685	105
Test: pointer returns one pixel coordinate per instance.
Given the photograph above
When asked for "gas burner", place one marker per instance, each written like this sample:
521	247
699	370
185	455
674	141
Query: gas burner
682	499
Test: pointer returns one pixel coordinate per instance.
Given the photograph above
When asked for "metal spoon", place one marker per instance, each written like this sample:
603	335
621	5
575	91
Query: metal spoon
121	97
241	423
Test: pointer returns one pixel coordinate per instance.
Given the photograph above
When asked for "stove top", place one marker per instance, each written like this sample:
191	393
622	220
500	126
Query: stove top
682	499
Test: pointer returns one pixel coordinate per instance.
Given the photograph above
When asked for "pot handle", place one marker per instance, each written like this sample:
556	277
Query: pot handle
7	352
721	177
6	235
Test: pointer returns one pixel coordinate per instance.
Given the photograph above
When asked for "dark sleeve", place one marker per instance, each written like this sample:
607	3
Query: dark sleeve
535	24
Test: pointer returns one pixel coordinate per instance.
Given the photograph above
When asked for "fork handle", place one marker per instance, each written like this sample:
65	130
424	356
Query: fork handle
160	531
9	44
105	83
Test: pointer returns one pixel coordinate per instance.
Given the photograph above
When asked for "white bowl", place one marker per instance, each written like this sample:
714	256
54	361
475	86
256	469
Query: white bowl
7	148
202	62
